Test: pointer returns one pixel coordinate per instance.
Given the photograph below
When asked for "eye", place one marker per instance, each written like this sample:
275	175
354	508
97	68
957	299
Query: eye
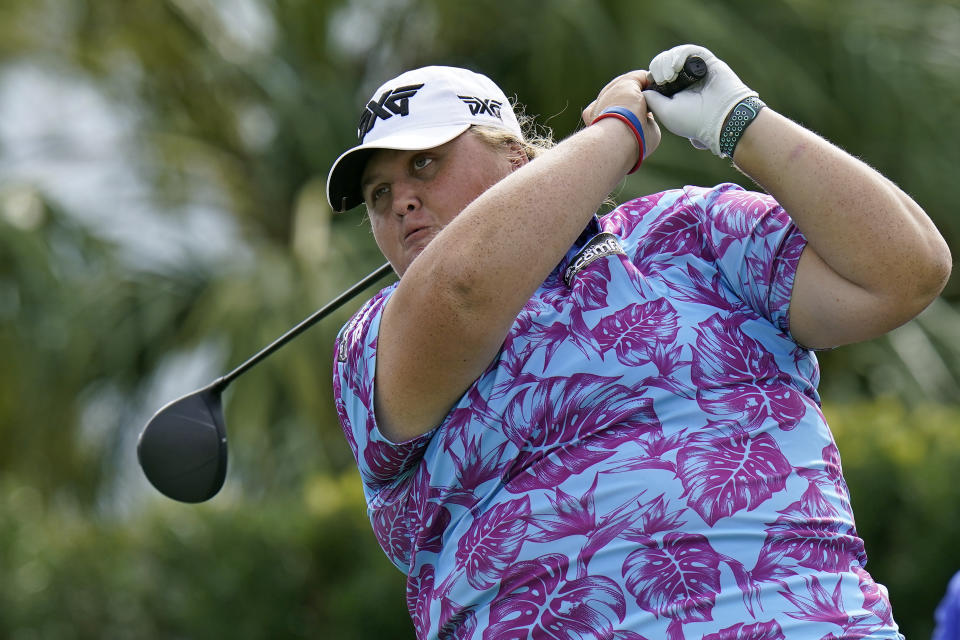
421	162
380	191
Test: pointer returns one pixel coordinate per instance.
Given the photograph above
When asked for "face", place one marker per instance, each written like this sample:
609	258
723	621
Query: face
412	195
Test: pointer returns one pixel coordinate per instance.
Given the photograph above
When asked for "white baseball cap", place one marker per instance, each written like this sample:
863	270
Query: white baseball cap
419	109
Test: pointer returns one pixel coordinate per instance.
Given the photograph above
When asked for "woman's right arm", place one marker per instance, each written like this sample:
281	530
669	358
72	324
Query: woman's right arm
456	303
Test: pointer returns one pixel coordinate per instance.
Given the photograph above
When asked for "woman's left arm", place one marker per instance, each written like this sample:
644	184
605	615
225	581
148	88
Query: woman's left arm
874	259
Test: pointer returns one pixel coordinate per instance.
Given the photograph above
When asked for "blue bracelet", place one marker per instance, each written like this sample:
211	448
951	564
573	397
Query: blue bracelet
625	115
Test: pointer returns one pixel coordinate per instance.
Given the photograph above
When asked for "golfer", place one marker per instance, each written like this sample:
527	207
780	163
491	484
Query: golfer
579	427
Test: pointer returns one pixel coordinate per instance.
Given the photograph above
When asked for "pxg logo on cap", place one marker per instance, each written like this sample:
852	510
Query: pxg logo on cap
480	106
391	103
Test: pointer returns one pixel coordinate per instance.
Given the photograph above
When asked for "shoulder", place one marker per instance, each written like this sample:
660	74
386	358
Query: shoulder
723	195
690	202
352	335
668	224
715	214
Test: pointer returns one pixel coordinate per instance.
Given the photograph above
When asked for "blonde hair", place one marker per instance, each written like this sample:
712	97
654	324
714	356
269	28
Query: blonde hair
536	138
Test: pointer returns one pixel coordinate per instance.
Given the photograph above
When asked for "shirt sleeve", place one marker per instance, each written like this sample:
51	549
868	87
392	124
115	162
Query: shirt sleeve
756	247
381	463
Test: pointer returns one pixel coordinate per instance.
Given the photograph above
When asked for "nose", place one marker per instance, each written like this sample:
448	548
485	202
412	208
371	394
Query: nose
406	199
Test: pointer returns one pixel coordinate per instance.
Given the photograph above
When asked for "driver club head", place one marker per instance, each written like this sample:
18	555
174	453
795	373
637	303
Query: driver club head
183	448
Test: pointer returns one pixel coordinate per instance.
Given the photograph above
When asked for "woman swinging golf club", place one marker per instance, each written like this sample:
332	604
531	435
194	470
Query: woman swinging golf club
609	428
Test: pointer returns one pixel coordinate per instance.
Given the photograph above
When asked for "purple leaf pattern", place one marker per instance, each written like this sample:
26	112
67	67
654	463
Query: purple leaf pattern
813	499
739	380
345	418
780	283
654	518
547	468
744	217
816	604
477	466
572	516
543	419
676	234
493	542
554	293
385	460
419	596
393	533
832	478
432	514
633	332
759	279
654	454
822	484
463	420
669	366
549	338
644	457
536	600
722	474
701	291
577	517
678	578
874	597
812	543
589	288
624	220
756	631
459	623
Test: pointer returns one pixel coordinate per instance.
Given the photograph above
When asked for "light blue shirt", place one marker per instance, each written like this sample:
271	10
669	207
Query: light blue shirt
645	458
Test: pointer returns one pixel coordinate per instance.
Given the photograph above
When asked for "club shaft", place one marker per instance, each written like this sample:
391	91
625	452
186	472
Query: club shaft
308	322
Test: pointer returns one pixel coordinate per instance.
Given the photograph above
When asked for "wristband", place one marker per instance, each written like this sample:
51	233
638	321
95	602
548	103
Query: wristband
629	117
737	122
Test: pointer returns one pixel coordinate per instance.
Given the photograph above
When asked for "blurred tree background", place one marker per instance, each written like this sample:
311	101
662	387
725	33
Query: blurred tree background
162	217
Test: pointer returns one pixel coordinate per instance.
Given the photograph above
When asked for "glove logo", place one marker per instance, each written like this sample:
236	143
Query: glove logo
481	106
391	103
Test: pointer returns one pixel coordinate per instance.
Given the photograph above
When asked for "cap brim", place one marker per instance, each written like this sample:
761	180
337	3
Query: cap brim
343	182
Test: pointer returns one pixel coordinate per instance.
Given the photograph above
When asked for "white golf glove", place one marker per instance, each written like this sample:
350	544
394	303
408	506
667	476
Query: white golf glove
697	112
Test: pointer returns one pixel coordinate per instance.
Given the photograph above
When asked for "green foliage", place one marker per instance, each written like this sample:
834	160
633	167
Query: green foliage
901	466
278	569
75	329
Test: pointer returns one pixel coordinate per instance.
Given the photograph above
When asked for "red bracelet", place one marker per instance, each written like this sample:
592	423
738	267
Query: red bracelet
627	116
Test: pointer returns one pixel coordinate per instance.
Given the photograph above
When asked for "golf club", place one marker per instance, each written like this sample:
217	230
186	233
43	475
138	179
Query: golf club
694	68
183	448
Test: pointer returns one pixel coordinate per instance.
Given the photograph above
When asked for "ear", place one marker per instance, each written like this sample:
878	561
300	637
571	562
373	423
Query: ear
516	155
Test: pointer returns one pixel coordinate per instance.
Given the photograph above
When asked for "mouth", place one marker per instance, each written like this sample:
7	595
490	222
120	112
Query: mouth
415	234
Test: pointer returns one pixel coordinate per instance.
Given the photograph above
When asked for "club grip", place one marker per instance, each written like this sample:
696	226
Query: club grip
694	69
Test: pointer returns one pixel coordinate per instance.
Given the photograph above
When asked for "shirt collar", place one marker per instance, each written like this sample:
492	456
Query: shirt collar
592	229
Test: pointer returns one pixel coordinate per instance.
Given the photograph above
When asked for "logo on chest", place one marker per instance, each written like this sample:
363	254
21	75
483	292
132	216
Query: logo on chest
599	246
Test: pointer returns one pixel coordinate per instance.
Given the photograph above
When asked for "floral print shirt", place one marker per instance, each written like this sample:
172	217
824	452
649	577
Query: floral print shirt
645	458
